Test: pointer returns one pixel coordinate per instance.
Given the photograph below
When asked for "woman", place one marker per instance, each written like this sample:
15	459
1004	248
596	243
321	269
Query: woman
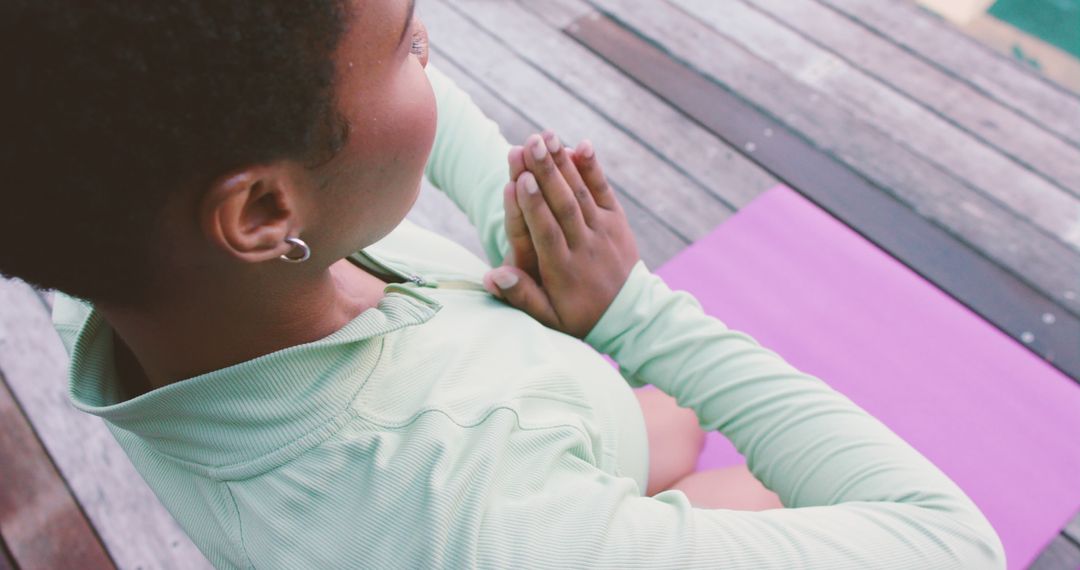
307	382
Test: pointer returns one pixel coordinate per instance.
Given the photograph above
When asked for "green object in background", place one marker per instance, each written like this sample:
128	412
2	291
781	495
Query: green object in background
1055	21
1022	57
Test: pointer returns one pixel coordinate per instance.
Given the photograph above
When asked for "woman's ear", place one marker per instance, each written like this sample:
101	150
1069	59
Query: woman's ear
249	213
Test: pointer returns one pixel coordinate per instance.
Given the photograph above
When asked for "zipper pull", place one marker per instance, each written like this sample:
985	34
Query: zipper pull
416	279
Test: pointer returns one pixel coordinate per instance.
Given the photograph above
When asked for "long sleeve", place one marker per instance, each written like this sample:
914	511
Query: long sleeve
468	163
859	496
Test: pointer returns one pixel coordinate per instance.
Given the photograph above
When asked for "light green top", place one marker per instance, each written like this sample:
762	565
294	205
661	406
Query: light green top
444	429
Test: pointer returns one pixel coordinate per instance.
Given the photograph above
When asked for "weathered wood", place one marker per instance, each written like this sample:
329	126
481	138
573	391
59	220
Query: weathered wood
515	127
981	285
685	207
817	72
992	123
135	528
656	243
680	142
990	228
1056	109
559	13
39	519
1072	530
1060	554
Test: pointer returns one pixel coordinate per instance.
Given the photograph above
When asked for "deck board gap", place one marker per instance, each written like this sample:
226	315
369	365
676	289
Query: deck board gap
614	121
1028	144
995	290
1035	97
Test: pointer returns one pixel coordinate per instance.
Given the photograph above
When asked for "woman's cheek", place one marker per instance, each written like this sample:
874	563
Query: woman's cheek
407	129
427	112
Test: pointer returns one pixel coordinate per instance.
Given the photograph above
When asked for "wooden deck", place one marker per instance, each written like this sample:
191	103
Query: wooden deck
960	163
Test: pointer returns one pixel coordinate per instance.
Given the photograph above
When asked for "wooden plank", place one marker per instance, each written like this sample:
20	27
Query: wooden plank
560	13
1000	78
1072	530
981	285
135	528
817	72
1060	554
990	228
39	519
512	124
992	123
683	206
679	141
656	243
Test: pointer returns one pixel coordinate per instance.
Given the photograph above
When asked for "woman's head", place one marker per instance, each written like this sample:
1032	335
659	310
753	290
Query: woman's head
152	141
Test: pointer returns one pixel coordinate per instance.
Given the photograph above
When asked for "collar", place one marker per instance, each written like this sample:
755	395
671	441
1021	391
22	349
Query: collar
250	411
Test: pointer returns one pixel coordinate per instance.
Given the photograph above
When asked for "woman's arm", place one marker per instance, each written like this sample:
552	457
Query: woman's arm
469	162
858	495
803	440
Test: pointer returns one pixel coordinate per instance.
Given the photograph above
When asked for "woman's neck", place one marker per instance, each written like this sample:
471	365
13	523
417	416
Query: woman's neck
199	333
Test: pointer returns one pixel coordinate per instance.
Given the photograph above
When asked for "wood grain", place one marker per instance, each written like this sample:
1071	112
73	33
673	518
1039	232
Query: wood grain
512	124
678	202
816	72
984	287
656	243
932	39
676	139
954	101
39	519
135	528
991	229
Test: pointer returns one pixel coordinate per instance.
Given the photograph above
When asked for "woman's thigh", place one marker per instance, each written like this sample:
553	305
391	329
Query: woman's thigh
675	439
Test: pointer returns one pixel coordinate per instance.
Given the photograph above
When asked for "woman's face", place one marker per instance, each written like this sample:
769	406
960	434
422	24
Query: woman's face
384	93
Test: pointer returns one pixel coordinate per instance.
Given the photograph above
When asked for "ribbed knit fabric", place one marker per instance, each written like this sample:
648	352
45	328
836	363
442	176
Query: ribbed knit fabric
444	429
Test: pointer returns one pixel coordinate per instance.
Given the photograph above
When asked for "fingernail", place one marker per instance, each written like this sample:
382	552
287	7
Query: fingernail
587	149
505	280
530	185
538	149
554	145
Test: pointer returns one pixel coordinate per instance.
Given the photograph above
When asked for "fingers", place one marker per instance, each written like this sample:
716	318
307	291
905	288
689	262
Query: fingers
560	198
517	231
516	158
589	167
519	290
547	234
564	162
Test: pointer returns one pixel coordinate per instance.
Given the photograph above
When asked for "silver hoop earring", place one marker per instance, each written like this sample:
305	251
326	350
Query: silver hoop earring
304	249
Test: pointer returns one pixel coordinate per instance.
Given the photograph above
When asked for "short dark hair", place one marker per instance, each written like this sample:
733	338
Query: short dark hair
116	105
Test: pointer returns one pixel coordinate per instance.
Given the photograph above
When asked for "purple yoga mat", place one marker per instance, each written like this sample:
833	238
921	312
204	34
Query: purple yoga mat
999	421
